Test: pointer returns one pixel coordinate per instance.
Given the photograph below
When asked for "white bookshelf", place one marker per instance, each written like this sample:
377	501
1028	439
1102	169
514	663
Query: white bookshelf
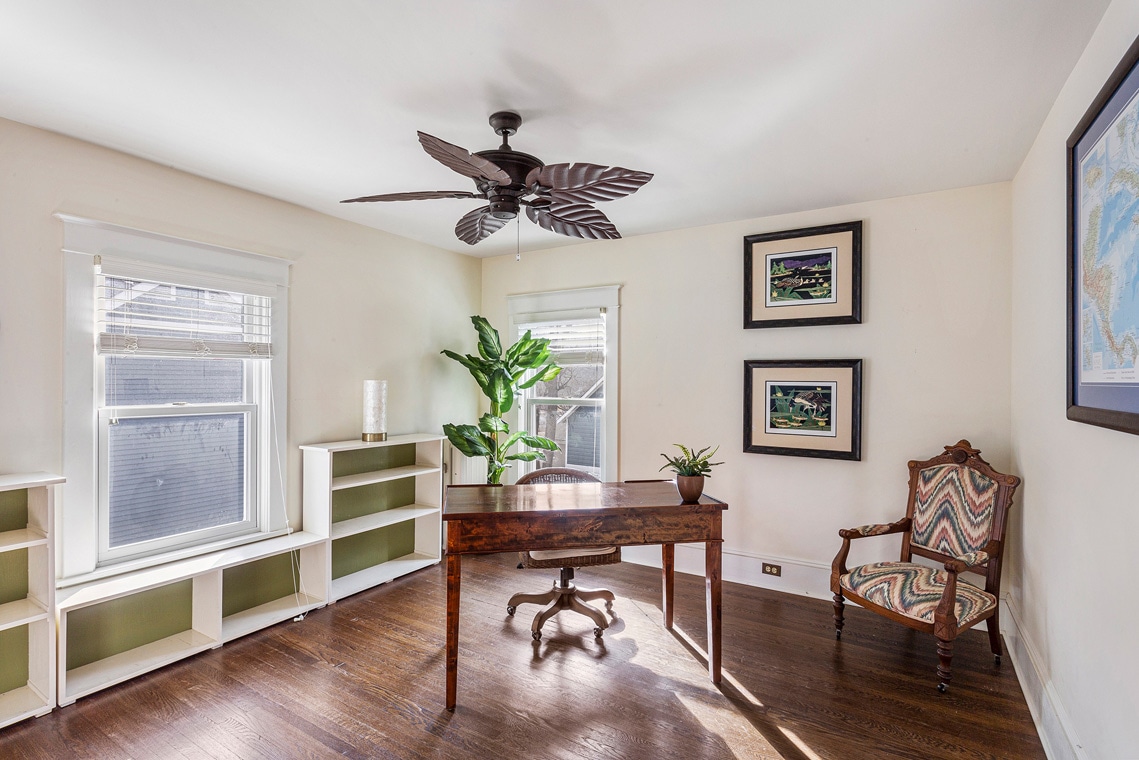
27	671
303	555
379	504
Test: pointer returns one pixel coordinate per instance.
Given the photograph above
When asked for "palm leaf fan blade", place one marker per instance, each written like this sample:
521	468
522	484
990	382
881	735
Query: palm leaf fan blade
579	220
462	160
478	225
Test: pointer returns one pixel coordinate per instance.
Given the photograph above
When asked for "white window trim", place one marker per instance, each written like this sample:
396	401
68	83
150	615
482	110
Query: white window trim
555	304
77	518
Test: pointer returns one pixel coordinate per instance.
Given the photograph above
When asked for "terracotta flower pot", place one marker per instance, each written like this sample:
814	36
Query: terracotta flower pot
690	487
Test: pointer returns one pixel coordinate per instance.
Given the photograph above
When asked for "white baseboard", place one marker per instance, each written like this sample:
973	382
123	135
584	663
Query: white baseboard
1048	713
798	576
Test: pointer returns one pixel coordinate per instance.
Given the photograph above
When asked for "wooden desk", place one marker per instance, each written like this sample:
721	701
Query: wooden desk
486	519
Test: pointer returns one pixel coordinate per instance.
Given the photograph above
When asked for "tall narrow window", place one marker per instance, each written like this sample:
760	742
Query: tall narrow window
174	416
183	376
578	409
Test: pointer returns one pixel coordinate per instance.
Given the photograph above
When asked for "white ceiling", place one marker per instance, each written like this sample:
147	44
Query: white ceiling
741	108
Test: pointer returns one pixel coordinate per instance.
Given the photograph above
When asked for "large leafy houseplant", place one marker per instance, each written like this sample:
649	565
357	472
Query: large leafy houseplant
501	376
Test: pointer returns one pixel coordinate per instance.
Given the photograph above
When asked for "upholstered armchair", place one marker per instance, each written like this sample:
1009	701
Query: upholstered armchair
565	595
956	515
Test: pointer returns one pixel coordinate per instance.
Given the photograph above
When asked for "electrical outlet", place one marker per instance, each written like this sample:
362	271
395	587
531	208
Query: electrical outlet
770	569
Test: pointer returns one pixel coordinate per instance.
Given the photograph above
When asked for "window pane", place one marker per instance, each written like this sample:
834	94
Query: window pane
576	430
139	380
172	475
574	381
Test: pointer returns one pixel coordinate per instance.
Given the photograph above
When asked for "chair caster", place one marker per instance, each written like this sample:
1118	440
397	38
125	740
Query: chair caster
537	635
837	633
510	609
609	606
597	632
997	660
941	687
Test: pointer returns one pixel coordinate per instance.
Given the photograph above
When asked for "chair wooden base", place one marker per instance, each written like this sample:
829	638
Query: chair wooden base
564	596
944	646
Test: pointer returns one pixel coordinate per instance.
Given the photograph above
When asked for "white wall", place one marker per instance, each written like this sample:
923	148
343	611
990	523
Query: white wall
1079	527
934	339
363	304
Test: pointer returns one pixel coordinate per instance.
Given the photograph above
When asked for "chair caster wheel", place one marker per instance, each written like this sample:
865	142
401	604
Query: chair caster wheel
597	632
941	687
510	609
609	606
997	660
537	635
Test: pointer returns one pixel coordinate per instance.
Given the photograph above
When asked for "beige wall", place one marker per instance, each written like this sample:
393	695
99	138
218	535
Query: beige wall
363	304
935	340
1077	533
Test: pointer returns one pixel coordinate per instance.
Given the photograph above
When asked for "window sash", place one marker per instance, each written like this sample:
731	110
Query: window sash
250	522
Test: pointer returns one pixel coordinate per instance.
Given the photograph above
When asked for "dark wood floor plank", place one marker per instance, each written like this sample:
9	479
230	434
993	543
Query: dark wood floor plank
364	678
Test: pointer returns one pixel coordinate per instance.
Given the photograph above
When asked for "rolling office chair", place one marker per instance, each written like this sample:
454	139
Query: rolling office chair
565	595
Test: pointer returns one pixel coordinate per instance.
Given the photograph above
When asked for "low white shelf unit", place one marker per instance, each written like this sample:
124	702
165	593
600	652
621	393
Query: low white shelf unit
379	504
27	595
115	629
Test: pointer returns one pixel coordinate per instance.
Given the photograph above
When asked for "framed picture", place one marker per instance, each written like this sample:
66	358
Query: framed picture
803	408
811	276
1103	255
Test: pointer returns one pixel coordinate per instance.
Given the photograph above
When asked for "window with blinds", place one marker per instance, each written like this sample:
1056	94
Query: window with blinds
184	378
570	408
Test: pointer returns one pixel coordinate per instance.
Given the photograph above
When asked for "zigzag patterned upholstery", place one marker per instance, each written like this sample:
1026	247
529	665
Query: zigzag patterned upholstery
956	514
953	509
914	590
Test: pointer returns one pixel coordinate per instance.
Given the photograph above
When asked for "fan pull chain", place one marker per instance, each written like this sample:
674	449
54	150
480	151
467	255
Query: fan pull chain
518	238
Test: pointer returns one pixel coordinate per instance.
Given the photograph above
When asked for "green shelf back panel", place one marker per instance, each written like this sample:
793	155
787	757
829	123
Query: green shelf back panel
119	625
13	509
13	658
364	500
363	550
255	583
355	461
13	575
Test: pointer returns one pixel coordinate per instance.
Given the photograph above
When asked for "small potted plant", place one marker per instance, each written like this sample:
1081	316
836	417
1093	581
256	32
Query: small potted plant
691	468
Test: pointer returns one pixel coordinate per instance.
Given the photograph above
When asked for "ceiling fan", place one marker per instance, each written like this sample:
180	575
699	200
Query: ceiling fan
563	194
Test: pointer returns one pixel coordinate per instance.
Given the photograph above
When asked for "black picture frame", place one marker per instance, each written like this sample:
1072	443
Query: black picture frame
1099	395
833	391
806	299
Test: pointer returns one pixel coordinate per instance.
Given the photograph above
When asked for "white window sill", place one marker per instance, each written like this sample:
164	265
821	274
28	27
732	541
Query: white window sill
129	566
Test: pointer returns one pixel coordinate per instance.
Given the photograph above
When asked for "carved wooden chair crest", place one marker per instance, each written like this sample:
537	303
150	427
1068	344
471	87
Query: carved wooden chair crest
956	515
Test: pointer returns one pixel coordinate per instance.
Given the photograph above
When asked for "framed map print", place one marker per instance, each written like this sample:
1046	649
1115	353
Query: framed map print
1103	255
803	407
811	276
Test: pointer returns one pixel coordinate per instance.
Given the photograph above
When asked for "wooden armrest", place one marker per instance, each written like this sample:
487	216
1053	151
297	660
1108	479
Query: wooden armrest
972	559
838	566
880	529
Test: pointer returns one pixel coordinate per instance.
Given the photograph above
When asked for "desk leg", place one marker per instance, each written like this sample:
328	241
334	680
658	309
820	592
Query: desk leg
667	563
714	587
454	574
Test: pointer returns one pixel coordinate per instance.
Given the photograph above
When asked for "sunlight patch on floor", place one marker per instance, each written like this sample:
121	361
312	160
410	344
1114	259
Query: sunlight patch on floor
742	738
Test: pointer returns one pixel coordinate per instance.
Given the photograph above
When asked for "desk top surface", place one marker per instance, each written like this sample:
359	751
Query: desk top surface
472	501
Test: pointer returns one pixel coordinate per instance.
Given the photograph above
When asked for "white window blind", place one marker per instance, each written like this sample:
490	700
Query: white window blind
144	317
579	340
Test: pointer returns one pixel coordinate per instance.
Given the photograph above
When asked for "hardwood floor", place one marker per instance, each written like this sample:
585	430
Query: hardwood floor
364	678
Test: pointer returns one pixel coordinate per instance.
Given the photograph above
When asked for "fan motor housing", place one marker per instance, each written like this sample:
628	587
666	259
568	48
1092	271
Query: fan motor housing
504	198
